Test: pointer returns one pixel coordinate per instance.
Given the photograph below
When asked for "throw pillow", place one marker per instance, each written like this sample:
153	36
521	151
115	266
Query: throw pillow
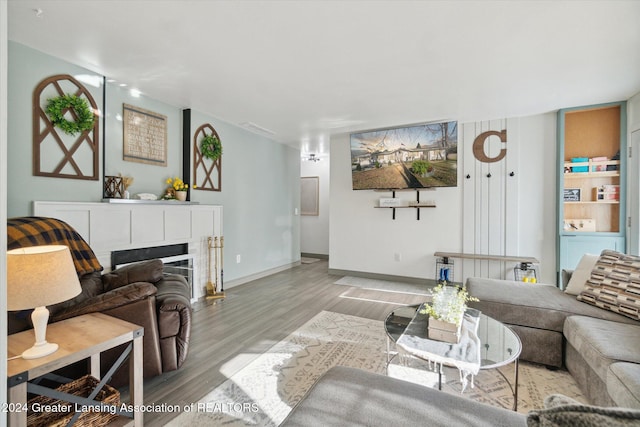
563	411
581	274
614	284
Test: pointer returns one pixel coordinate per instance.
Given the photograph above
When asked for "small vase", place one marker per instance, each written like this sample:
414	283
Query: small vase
181	195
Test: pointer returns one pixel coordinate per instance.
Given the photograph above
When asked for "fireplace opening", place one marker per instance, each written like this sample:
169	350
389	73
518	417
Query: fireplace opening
176	259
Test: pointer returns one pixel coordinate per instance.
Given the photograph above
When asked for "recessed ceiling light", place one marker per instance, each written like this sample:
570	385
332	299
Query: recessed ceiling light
123	85
135	93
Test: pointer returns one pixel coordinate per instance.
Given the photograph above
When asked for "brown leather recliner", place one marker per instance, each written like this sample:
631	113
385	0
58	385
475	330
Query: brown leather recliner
138	293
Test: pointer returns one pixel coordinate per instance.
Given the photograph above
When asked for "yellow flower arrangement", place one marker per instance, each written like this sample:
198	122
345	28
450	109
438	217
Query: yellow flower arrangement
177	184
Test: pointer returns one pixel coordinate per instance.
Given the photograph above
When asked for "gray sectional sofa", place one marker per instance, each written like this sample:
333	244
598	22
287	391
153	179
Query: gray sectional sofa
584	332
598	346
353	397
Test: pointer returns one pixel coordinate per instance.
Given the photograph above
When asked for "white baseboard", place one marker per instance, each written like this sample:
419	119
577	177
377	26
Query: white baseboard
259	275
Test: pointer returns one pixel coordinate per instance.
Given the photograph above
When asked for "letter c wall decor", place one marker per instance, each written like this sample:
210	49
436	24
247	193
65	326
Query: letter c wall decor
478	146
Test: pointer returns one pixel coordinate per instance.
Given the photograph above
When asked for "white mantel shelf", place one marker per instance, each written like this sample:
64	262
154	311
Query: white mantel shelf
132	224
149	202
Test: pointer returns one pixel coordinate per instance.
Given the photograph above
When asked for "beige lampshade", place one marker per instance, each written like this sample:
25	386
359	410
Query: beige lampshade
39	276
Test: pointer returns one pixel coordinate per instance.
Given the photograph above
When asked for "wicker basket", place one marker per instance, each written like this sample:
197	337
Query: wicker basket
81	387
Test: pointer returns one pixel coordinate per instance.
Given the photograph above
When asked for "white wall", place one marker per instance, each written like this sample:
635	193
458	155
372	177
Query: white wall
633	182
314	230
3	197
364	239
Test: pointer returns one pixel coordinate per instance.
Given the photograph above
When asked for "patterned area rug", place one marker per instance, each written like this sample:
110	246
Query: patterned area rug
264	391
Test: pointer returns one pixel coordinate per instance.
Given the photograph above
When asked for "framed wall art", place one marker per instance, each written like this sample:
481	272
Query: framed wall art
309	197
145	136
572	194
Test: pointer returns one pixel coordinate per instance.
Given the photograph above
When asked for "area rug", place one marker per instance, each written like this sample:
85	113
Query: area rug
264	391
384	285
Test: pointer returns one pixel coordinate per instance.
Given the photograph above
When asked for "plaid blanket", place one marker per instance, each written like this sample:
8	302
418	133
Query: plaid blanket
36	231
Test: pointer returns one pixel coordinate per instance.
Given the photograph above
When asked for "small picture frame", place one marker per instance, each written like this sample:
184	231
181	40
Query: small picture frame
572	194
309	197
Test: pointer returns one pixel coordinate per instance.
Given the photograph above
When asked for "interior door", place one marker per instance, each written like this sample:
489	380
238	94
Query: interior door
634	196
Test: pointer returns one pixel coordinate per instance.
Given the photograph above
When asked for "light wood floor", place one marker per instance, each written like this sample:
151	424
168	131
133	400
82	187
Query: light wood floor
251	319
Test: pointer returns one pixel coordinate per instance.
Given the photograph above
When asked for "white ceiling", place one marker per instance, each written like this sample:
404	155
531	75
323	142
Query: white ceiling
307	69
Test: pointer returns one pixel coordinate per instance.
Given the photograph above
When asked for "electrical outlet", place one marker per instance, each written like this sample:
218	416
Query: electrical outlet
397	257
238	259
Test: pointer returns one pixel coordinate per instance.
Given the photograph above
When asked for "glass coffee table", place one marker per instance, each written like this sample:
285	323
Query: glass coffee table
499	345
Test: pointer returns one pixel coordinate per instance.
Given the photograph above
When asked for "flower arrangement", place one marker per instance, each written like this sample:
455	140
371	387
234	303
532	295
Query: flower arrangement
448	303
177	184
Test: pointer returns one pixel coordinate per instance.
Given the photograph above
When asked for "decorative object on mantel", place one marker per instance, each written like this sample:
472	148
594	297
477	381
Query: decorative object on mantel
177	189
212	243
146	196
126	182
446	311
207	158
113	187
145	136
62	108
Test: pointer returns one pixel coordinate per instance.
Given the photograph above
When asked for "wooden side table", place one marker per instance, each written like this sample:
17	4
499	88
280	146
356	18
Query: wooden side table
79	338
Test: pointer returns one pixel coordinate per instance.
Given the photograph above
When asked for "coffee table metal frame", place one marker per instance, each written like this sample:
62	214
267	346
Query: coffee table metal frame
396	324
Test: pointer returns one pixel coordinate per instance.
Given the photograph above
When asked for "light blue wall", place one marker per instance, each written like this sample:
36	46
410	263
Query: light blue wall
146	178
260	177
260	191
27	68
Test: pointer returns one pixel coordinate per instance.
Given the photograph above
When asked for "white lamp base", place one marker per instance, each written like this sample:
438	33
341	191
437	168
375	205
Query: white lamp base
40	350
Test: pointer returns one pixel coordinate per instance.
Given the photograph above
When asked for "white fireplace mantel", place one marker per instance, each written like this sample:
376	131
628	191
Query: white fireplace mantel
109	227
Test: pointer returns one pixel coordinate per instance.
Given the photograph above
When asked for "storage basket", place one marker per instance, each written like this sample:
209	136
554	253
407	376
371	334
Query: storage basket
81	387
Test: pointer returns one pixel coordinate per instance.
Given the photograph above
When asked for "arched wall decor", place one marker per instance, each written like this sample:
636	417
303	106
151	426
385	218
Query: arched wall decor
207	173
56	154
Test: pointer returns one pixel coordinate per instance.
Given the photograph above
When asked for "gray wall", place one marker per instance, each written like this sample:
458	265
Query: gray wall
260	177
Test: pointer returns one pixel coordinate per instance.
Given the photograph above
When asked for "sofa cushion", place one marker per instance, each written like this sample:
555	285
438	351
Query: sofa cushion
615	284
623	384
603	342
91	285
581	274
536	306
352	397
563	411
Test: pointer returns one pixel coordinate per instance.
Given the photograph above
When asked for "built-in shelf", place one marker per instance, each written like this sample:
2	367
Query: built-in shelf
411	204
599	202
579	175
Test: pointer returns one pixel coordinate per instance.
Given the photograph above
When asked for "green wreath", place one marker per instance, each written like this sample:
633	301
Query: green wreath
211	147
56	108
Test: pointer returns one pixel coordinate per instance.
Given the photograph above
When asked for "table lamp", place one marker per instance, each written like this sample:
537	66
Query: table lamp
38	276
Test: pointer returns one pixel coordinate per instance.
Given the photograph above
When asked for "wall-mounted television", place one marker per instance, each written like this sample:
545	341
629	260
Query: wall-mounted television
416	156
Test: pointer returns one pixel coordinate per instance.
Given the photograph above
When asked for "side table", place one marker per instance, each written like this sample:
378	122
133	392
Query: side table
79	338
